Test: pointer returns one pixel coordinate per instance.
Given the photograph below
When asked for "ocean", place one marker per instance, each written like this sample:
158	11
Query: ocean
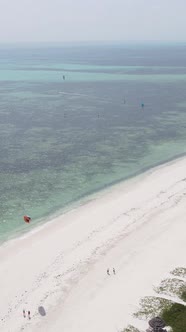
75	119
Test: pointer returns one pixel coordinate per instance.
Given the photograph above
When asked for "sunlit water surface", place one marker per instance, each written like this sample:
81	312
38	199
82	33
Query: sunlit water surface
63	138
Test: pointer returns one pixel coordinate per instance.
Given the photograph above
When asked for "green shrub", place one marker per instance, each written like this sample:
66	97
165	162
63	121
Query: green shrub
175	317
183	296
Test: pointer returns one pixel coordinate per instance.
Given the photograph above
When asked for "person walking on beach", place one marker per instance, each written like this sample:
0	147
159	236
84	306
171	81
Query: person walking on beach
24	314
29	314
108	272
114	271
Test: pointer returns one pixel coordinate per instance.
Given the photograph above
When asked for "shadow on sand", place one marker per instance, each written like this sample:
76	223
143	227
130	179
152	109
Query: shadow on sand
42	311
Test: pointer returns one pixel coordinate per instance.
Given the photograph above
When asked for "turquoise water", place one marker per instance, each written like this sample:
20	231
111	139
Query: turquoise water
61	140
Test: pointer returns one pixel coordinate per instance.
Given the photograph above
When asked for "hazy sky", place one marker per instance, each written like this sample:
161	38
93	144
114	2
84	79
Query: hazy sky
92	20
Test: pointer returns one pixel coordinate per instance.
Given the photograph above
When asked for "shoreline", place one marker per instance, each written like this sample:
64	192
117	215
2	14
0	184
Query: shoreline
87	197
62	264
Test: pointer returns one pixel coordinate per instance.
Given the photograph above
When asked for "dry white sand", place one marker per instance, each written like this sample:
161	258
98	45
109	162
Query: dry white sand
138	227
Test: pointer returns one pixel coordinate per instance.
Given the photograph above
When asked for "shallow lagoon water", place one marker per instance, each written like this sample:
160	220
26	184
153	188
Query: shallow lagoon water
61	140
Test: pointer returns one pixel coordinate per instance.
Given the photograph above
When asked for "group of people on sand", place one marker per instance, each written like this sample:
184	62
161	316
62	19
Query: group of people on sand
24	314
113	270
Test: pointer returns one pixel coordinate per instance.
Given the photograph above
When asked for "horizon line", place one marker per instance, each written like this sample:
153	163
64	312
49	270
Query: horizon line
93	42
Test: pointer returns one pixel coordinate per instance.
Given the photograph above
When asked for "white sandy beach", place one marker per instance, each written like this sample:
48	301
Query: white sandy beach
138	227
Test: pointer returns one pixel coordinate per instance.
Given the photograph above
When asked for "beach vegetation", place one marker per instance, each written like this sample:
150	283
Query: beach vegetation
131	328
183	295
175	316
173	313
172	287
179	272
151	306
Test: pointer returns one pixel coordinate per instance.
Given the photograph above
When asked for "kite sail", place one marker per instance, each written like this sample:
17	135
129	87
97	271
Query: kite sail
27	219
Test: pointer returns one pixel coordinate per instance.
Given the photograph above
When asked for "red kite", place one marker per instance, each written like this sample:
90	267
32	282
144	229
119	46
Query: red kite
27	219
